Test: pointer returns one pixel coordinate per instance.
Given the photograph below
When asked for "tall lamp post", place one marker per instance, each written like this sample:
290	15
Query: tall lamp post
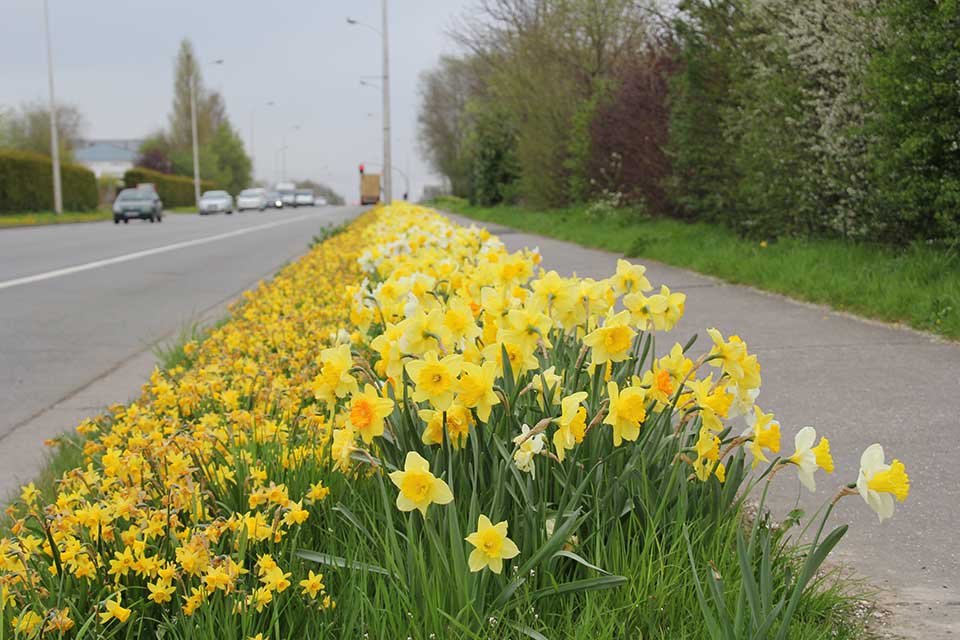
193	127
54	134
385	88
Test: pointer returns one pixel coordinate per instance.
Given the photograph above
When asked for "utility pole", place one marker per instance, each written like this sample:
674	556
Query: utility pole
54	134
193	127
196	145
387	162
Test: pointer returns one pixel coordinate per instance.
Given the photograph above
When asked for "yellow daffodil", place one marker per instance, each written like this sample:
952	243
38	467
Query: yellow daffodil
335	380
312	584
475	388
418	487
879	483
435	380
708	456
626	413
553	382
114	611
571	425
612	341
666	308
629	278
368	411
491	546
764	433
161	591
809	458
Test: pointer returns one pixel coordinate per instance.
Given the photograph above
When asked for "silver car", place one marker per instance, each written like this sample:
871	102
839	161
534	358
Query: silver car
305	198
216	202
255	199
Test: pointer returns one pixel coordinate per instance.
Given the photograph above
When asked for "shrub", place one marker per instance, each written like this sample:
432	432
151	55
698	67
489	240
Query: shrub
175	191
26	184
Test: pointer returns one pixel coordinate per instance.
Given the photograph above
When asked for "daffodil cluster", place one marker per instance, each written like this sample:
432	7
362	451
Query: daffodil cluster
419	362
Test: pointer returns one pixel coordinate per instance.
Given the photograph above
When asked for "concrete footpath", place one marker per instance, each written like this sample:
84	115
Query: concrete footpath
858	382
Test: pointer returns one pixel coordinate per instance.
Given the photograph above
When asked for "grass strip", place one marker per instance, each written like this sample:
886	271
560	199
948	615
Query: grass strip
41	218
917	285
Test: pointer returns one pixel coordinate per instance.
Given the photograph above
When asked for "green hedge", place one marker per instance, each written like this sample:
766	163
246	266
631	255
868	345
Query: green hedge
175	191
26	184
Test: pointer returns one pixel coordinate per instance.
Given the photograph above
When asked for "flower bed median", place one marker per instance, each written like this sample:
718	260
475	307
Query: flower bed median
411	432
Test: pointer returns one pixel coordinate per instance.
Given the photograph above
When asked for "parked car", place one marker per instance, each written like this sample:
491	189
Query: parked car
305	198
321	201
144	204
252	199
216	202
274	199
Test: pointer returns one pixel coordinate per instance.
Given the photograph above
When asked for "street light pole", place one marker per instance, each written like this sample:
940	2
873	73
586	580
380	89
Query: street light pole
196	146
387	162
54	134
385	88
193	128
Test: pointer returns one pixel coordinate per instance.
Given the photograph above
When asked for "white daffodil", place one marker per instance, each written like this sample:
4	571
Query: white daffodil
530	447
880	483
809	458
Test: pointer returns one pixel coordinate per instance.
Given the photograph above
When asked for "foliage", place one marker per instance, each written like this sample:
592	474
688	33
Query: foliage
442	119
154	154
916	159
701	154
174	191
28	129
321	190
233	163
222	156
491	149
26	184
628	136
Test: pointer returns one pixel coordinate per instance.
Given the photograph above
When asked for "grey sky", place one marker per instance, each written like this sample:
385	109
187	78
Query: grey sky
114	60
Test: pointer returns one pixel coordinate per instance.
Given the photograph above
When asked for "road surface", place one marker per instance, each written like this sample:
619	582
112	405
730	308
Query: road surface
83	305
857	382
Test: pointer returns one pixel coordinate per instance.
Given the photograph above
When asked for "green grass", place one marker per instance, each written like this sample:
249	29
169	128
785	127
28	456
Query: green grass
187	209
917	285
38	218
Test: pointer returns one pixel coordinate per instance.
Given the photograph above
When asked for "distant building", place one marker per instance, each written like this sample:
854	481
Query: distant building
107	158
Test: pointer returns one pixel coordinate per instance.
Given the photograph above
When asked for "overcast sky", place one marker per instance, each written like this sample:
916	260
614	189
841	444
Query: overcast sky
114	60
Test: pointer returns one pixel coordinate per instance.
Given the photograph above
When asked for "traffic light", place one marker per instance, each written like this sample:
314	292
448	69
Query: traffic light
361	169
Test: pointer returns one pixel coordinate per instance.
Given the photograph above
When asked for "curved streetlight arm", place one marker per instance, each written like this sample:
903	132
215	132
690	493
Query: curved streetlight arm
357	23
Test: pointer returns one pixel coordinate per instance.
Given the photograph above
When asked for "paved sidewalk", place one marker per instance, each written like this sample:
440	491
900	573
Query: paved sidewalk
858	382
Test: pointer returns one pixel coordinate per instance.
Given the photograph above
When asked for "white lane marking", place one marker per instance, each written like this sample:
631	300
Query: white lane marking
136	255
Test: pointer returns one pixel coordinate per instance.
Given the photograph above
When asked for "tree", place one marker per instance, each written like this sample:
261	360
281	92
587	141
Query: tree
549	64
28	129
916	157
223	158
154	153
629	132
704	176
443	126
232	161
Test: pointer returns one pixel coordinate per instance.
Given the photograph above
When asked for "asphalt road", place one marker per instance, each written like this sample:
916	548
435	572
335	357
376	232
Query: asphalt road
857	382
82	306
